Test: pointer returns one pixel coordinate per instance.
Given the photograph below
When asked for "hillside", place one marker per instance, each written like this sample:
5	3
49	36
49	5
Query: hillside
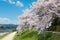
33	35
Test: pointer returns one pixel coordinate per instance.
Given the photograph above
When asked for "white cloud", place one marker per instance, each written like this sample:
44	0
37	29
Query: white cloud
11	1
7	21
18	3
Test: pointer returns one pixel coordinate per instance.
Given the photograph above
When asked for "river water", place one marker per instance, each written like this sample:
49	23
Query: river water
7	30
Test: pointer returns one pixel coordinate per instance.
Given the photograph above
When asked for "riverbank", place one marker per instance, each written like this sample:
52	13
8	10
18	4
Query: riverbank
33	35
9	36
2	35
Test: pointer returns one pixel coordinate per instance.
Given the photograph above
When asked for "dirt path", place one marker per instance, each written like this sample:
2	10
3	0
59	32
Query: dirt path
9	37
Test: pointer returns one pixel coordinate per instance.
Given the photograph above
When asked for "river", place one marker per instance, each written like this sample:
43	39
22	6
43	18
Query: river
7	30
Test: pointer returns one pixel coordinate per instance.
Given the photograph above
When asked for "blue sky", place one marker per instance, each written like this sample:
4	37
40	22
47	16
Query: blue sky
11	9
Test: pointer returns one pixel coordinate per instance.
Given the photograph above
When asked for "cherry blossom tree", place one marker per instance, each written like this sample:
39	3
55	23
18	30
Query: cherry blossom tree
40	15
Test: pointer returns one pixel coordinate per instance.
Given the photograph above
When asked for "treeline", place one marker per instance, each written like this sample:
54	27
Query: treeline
8	26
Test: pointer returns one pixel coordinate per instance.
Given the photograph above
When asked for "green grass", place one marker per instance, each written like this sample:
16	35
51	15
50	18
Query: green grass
2	36
27	35
33	35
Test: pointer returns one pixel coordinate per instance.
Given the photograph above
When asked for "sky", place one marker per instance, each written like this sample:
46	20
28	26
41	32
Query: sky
11	9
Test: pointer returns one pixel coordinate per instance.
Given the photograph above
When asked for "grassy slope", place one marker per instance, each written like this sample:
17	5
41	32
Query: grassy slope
27	35
33	35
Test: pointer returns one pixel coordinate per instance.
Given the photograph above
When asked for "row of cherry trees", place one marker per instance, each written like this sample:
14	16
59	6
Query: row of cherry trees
40	15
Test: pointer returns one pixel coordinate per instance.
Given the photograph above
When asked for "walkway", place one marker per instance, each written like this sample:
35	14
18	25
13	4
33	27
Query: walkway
9	37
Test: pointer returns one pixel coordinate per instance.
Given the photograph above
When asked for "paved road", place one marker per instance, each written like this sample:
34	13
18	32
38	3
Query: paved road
9	37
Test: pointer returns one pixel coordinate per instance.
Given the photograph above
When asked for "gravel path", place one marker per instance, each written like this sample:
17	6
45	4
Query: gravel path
9	37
